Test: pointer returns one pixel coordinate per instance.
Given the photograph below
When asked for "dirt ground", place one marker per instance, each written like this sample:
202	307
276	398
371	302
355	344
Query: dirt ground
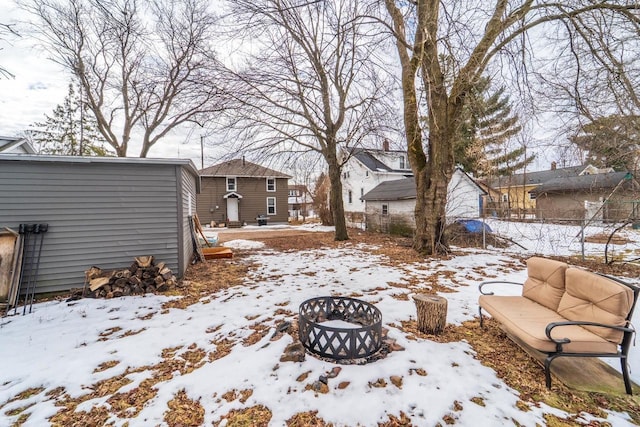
226	234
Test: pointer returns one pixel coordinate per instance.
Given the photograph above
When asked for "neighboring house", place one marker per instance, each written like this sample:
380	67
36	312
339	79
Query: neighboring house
602	197
101	211
390	205
515	191
237	192
300	202
364	170
12	145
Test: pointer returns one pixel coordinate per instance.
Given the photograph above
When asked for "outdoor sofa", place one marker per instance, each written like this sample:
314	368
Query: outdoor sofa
567	312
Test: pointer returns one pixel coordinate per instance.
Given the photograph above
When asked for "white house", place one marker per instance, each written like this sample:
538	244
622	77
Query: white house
364	170
13	145
392	203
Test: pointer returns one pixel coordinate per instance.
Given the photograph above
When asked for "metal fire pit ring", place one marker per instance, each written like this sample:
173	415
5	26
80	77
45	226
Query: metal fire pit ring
335	342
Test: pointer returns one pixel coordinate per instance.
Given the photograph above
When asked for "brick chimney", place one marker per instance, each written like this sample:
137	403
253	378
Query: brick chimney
553	166
385	145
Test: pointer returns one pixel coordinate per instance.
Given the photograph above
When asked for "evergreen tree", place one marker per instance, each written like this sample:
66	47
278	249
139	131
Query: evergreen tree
611	141
68	131
485	133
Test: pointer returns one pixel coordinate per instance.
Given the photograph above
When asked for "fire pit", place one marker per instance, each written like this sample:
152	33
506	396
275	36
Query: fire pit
340	327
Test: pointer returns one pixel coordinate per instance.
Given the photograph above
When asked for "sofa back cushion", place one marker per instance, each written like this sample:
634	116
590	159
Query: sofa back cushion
594	298
545	284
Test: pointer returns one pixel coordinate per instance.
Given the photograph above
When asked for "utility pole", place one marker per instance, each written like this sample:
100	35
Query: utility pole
201	151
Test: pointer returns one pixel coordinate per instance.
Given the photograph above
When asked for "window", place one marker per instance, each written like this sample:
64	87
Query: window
361	193
385	209
271	185
505	197
271	205
532	196
350	194
367	173
293	193
231	183
402	165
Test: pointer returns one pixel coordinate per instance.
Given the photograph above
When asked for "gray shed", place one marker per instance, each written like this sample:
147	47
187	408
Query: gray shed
101	211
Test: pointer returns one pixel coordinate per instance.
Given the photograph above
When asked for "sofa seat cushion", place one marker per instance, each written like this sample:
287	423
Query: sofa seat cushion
545	281
593	298
528	320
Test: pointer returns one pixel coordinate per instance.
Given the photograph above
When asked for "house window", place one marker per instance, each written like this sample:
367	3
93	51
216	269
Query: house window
361	193
271	205
385	209
402	165
231	183
350	194
532	196
505	197
293	193
271	185
367	173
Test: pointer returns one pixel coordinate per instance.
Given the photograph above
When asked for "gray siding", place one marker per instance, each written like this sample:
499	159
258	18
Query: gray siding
187	200
98	214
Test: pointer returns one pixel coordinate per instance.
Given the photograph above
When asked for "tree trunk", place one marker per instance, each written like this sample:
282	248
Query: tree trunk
335	198
432	313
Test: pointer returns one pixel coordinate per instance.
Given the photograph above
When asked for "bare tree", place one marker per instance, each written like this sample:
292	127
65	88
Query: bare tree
311	84
604	89
6	31
145	67
473	36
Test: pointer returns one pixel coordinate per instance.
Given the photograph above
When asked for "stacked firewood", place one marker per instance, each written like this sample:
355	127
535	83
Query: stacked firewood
143	276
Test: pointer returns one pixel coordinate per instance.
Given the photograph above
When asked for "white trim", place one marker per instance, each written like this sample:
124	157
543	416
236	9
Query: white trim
233	195
235	183
275	211
274	185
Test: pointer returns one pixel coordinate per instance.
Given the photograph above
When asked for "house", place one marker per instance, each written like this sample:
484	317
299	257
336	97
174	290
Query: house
515	191
237	192
390	205
300	202
101	211
610	196
13	145
364	169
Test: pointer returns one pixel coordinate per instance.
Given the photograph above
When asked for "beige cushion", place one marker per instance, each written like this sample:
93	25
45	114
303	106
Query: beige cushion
593	298
545	281
527	320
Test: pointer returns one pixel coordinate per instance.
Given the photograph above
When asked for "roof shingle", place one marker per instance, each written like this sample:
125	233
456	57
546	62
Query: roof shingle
241	168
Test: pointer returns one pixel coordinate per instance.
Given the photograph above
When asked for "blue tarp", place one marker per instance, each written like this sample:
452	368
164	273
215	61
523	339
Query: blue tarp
474	226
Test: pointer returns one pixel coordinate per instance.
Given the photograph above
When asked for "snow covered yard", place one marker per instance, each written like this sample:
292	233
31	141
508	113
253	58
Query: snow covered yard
141	361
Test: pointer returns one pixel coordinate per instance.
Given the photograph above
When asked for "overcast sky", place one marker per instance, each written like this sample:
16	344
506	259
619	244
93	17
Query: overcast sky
40	85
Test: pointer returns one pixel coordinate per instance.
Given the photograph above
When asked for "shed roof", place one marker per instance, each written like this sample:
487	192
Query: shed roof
405	189
600	181
91	159
398	189
241	168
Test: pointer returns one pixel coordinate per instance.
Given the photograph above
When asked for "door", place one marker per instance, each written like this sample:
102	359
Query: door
232	209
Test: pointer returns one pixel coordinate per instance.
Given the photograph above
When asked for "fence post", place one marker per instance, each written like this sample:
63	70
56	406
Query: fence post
584	224
484	235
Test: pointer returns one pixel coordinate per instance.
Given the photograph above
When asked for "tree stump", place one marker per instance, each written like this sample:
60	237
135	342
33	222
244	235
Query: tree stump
432	313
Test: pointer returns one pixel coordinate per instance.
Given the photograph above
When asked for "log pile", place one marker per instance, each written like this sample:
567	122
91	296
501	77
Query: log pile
143	276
